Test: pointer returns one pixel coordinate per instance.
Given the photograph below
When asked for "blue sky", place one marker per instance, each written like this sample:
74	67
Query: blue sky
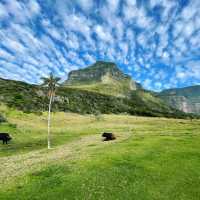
157	42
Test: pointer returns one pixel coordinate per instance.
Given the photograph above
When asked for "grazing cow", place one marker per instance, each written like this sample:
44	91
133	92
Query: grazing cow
5	137
108	136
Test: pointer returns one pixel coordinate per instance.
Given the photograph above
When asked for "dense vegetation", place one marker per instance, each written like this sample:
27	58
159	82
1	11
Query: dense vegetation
21	95
32	98
152	158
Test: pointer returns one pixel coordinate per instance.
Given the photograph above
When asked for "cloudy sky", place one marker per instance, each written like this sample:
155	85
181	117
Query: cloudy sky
157	42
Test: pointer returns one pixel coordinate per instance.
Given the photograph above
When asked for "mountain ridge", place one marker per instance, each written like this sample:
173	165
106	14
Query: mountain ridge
95	72
114	96
103	77
186	99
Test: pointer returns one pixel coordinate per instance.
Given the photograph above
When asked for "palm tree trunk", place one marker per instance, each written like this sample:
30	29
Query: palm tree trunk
49	122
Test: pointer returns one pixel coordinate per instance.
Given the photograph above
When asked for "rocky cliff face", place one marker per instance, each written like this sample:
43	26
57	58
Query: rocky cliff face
185	99
102	72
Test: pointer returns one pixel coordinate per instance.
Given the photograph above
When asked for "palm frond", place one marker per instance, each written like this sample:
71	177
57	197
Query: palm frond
51	81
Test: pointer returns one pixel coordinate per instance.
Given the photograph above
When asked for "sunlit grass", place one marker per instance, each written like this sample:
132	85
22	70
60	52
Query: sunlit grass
152	158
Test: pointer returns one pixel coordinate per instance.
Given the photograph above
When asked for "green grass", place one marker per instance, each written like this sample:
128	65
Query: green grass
112	87
29	131
152	158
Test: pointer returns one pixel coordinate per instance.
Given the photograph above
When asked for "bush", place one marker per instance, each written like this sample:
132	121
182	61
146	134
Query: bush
13	125
98	116
2	118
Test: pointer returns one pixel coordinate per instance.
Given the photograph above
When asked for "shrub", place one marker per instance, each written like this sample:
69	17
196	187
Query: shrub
13	125
2	118
98	116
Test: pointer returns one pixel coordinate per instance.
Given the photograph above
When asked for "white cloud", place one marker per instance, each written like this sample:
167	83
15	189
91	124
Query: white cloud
194	41
130	12
16	10
72	41
167	6
20	12
6	55
33	7
103	33
190	70
130	35
14	46
80	24
3	12
155	2
113	5
178	27
147	83
85	4
51	30
142	39
89	58
131	2
190	10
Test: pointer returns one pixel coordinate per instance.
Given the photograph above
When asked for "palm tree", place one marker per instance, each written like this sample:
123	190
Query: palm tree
50	82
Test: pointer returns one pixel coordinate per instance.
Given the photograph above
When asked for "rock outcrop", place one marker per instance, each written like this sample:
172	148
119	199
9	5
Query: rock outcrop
103	72
185	99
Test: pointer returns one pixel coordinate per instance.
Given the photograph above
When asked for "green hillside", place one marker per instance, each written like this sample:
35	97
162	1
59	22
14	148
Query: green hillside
152	158
114	88
32	98
100	88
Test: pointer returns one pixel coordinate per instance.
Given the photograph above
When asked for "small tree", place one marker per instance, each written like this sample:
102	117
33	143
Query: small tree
98	116
2	118
51	83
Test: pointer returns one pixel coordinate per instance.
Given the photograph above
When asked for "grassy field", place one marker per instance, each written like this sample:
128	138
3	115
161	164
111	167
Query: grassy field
152	158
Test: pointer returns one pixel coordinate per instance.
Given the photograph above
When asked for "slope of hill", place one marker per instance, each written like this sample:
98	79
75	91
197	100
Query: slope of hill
32	98
185	99
85	95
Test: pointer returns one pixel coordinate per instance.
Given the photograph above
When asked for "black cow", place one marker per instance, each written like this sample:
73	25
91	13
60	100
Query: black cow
5	137
108	136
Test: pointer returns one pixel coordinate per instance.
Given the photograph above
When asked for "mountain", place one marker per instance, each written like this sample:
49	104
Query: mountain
102	77
185	99
89	91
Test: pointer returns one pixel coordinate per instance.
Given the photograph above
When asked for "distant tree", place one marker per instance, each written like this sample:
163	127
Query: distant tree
51	83
2	118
